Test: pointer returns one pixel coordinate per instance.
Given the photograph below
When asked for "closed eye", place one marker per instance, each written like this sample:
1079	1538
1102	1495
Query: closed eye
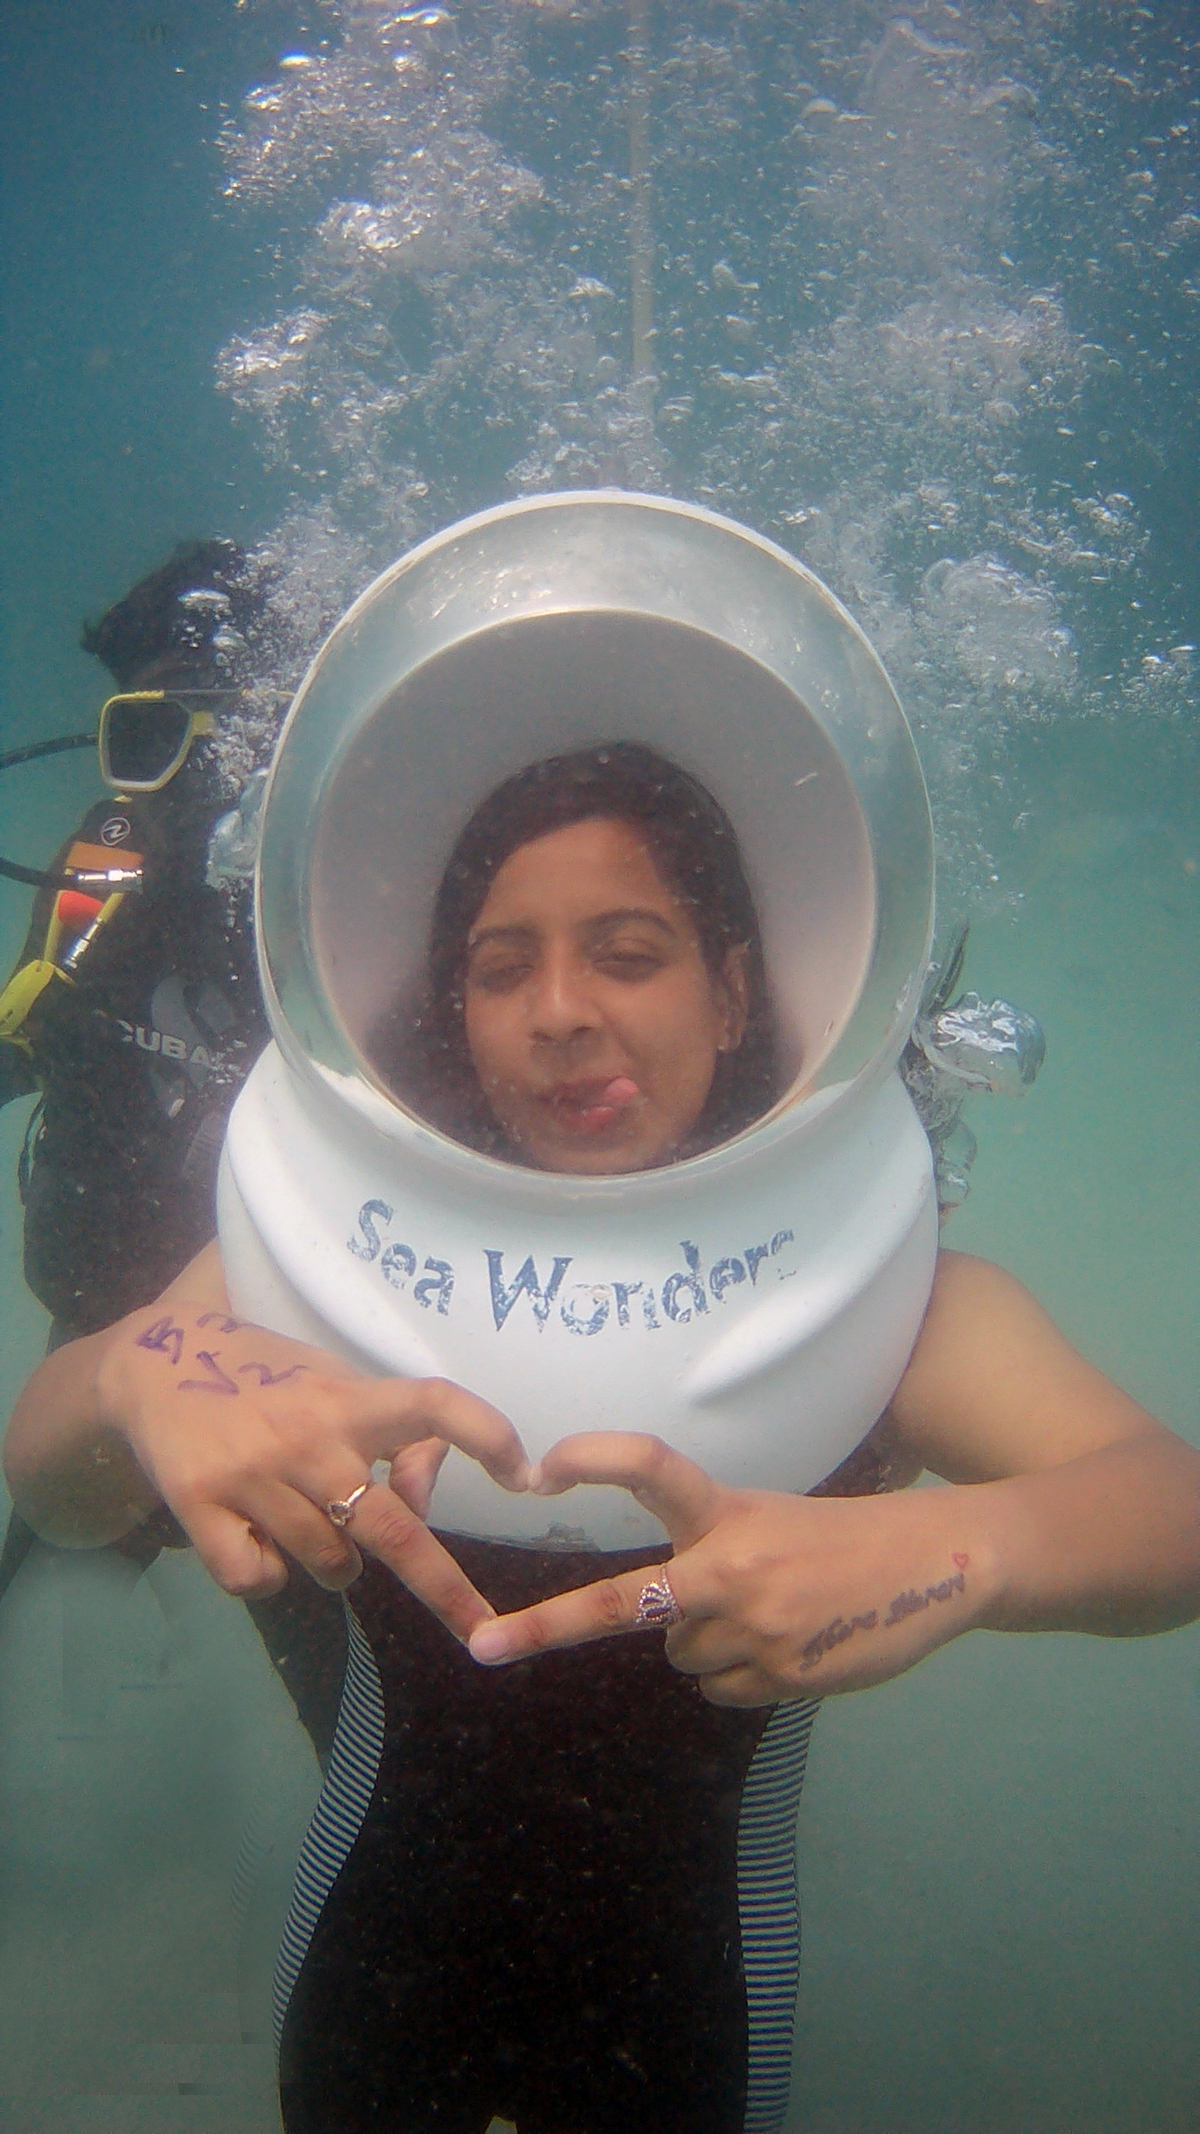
630	965
502	975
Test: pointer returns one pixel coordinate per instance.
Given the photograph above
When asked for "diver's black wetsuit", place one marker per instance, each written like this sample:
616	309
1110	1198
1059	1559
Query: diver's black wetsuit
138	1057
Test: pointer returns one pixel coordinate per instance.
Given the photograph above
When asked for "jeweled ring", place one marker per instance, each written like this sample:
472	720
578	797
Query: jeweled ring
340	1510
657	1607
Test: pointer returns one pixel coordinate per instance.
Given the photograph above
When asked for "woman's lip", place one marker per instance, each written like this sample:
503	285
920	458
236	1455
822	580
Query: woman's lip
588	1107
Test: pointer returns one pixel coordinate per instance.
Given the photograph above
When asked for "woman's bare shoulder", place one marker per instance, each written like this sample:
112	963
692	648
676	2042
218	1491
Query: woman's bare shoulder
994	1388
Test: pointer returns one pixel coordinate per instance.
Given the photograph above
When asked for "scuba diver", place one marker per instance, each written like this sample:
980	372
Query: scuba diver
134	1012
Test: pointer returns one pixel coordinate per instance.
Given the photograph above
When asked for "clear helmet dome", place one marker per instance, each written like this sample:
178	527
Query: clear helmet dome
560	623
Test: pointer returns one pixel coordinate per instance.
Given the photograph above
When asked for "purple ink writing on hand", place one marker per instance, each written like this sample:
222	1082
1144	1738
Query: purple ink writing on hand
218	1383
268	1377
165	1337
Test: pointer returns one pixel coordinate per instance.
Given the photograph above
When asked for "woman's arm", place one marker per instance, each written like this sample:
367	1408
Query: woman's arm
992	1388
250	1438
70	1468
1096	1522
1069	1508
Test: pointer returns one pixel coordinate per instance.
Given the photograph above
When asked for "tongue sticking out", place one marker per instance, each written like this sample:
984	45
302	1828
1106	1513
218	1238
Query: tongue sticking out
609	1103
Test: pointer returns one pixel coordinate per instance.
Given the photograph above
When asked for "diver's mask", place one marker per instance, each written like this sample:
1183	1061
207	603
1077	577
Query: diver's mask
144	738
146	735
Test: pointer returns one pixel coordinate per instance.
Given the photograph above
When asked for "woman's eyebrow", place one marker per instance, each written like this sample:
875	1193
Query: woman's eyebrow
640	914
603	922
500	933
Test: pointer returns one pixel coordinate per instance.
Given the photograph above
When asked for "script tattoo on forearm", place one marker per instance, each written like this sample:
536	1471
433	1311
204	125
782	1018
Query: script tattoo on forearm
899	1609
166	1338
912	1602
836	1633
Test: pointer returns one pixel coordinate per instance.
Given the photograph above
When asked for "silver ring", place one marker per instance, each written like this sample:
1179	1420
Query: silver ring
657	1607
340	1510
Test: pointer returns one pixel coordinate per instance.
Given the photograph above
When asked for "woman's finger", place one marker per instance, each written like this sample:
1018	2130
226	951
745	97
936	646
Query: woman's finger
415	1471
302	1527
384	1414
382	1523
245	1563
389	1529
379	1523
687	1500
603	1610
707	1647
746	1687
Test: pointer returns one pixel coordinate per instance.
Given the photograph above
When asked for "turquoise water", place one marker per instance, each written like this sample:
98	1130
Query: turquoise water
924	299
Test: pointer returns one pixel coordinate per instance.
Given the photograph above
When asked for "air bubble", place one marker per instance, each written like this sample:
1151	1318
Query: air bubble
835	359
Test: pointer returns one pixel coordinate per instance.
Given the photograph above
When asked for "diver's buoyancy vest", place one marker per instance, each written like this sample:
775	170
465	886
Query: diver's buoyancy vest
138	1044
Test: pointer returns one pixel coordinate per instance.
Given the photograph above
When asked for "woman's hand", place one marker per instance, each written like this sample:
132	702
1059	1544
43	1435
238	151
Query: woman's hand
783	1597
1069	1508
249	1438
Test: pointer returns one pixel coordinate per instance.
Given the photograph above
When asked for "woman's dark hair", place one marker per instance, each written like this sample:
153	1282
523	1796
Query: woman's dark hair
695	848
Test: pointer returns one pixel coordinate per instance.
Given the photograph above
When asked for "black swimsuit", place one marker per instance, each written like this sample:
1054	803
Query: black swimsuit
563	1892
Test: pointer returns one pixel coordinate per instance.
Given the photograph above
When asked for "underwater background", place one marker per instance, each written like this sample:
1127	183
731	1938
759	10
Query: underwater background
916	295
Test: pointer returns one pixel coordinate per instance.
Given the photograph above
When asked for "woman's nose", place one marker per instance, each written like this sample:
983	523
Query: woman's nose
561	1007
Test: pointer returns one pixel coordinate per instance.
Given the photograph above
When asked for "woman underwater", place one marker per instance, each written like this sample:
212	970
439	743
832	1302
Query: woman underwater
538	1913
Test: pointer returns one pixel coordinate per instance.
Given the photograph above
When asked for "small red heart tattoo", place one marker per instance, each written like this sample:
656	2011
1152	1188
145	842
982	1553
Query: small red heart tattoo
961	1561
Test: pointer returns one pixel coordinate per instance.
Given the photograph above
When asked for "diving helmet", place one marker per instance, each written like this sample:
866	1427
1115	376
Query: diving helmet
754	1304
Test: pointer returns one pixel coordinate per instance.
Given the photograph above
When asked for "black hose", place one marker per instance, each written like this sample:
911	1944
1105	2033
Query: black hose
34	749
11	870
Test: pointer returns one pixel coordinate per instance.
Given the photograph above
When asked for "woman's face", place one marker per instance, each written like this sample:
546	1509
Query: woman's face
593	1021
